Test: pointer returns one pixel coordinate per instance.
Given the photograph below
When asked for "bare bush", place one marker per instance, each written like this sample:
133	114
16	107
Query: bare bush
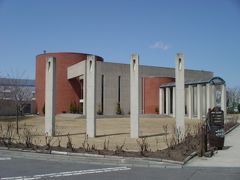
157	143
48	140
59	138
188	129
85	144
1	134
231	122
106	144
143	145
27	137
165	132
8	135
173	142
120	148
69	143
93	147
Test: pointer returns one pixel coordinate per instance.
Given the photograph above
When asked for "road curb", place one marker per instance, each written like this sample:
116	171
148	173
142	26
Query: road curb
121	158
115	159
132	161
105	159
189	157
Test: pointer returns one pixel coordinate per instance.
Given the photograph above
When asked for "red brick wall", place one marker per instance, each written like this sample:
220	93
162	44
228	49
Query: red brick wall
151	92
65	92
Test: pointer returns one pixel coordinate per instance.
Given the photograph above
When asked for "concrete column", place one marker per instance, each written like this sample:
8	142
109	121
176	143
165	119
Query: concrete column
204	112
208	97
223	100
91	96
213	103
50	90
174	102
84	93
180	96
134	96
161	101
167	101
190	102
199	101
195	101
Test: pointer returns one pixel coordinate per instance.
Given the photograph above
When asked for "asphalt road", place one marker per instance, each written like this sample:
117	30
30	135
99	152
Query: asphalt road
16	166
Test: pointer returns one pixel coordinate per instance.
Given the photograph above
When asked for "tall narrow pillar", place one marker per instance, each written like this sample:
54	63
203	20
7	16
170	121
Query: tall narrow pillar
223	100
167	101
204	112
84	93
195	101
161	101
190	102
199	101
180	97
50	90
174	102
208	97
134	96
91	96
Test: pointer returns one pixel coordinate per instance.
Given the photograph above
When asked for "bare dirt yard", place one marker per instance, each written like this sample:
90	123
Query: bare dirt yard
111	132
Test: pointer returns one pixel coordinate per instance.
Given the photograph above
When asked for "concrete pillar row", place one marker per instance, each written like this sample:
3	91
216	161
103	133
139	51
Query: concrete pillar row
174	101
213	101
190	102
204	112
168	101
161	101
195	101
199	101
134	96
91	96
208	97
180	94
50	94
223	100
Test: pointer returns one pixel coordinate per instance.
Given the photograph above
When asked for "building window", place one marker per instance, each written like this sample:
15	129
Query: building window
164	97
119	89
180	64
171	100
102	93
6	91
81	88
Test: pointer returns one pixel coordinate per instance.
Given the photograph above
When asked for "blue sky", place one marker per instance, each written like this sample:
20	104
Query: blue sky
206	31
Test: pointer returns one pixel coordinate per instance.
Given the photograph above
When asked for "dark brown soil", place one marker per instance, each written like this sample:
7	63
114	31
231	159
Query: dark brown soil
229	125
177	152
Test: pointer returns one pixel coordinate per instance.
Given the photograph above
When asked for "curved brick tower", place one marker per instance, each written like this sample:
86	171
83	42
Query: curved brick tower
66	92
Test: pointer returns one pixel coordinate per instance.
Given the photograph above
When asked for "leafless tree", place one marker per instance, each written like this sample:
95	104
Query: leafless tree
1	95
233	97
1	98
20	93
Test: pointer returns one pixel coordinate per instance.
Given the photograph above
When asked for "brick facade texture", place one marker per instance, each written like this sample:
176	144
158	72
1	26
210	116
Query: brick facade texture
151	92
66	90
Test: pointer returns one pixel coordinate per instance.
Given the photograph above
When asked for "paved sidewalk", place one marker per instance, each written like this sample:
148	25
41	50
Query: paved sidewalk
228	157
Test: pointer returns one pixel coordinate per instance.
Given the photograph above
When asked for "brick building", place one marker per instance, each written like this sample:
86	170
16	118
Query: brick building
112	84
